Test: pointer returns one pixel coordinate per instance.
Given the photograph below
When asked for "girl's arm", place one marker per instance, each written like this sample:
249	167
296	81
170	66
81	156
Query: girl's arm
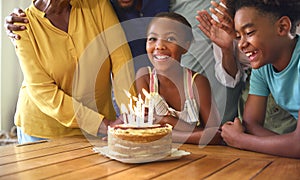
208	113
200	136
209	132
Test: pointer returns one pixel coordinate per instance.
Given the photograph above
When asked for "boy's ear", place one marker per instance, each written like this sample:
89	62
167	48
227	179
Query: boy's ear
284	25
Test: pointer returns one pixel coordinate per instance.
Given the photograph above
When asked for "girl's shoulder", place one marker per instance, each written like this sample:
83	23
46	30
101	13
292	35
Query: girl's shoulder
196	75
143	71
199	79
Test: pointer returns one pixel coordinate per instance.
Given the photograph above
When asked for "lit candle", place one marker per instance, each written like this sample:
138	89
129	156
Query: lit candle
131	113
147	97
124	111
150	111
137	116
143	114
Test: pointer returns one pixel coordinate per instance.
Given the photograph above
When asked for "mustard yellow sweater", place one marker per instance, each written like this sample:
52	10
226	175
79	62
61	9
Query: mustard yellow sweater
67	76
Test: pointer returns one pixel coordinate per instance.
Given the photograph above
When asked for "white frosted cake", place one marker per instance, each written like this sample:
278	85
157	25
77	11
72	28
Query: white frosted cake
125	141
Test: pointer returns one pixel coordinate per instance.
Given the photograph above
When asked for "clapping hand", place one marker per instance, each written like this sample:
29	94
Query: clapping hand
220	31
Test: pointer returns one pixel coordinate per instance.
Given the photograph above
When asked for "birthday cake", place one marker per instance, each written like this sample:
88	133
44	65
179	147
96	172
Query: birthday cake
126	141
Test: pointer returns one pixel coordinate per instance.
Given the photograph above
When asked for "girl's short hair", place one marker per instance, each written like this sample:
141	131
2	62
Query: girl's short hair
179	18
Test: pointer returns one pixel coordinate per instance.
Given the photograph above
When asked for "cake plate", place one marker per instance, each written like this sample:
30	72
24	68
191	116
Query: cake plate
175	154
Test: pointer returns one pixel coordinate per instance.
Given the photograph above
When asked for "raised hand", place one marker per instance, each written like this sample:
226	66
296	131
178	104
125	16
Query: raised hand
220	32
19	16
225	20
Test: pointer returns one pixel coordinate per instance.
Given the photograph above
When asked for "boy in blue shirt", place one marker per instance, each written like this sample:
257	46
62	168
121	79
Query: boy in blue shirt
266	34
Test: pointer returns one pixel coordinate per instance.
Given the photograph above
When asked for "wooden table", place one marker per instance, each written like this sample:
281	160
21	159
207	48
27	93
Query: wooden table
73	158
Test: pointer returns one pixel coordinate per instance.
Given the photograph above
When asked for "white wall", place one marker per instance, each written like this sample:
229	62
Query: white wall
10	74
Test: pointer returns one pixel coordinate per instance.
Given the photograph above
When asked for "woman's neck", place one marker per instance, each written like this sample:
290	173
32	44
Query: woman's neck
57	11
52	6
42	5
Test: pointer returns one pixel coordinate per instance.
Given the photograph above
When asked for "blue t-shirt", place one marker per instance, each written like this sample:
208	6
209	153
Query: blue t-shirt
135	22
284	85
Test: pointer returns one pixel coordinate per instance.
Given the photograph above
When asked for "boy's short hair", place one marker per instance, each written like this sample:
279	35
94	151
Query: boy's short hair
275	8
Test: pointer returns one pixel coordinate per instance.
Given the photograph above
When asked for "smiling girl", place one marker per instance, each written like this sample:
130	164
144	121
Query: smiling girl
183	98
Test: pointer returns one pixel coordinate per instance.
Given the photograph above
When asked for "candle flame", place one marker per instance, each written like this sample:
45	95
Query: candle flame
135	111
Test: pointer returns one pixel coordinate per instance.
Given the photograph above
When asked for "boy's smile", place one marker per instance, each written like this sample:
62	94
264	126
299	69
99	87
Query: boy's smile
251	55
257	35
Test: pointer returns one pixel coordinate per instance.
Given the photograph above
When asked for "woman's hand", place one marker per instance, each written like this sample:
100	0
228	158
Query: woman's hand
116	122
19	16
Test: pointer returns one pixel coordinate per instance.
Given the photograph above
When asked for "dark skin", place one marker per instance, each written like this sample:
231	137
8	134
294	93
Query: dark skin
54	11
256	137
221	33
17	15
172	94
259	33
193	138
58	13
163	49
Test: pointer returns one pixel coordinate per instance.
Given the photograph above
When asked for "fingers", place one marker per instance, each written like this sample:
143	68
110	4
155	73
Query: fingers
204	15
225	22
17	16
237	120
229	122
10	34
11	27
220	6
221	12
223	2
204	20
13	18
105	138
19	12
